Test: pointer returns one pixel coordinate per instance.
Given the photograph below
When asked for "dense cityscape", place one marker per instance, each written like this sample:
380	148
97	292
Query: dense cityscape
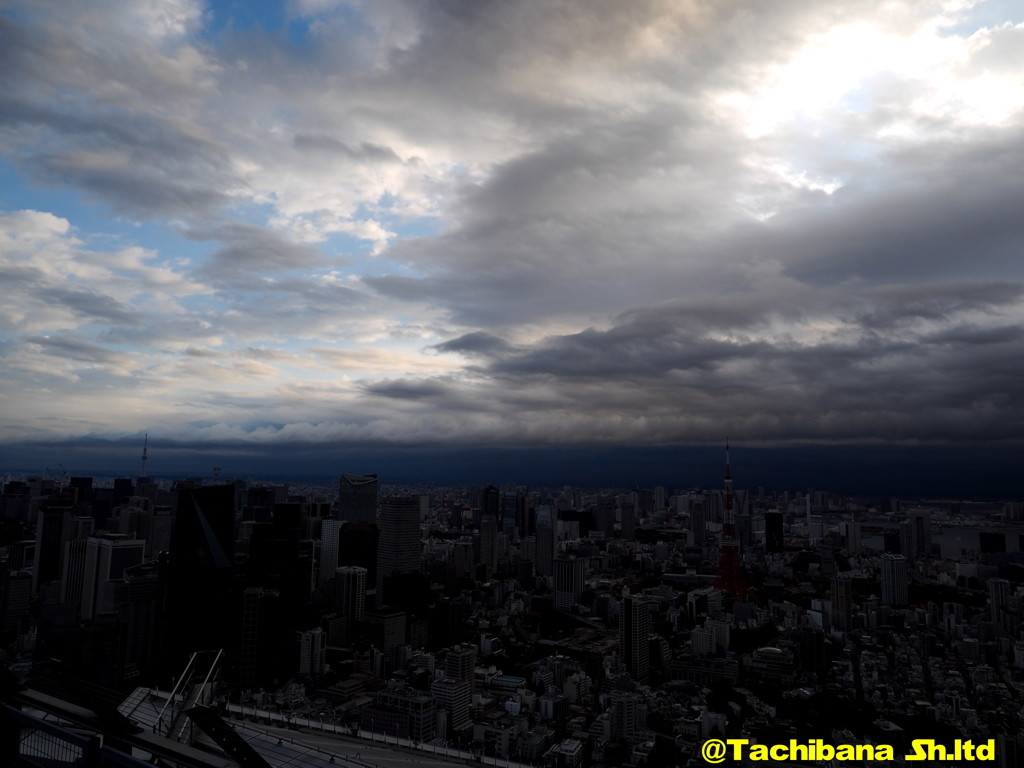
566	627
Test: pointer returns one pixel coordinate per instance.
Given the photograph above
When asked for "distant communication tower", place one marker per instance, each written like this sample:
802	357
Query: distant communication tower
730	571
145	453
216	475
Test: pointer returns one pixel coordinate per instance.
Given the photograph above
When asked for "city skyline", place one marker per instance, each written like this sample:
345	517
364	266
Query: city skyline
438	232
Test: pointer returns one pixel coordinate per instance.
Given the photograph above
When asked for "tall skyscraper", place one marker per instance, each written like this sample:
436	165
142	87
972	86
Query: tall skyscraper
547	540
774	540
634	631
198	574
489	542
569	576
399	549
698	521
106	558
330	534
842	604
462	554
894	579
53	529
998	598
922	527
490	504
265	638
853	538
628	514
73	567
357	498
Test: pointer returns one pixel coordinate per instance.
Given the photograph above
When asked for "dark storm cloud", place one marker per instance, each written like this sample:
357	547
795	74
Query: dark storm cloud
248	252
75	348
478	343
409	389
645	232
925	366
944	209
95	106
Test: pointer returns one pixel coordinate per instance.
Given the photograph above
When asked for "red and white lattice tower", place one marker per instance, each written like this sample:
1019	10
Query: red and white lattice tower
730	571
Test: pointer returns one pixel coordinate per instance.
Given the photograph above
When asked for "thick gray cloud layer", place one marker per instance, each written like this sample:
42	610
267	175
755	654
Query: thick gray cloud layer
576	222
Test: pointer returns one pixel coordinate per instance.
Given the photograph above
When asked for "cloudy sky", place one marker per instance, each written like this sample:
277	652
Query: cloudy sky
527	223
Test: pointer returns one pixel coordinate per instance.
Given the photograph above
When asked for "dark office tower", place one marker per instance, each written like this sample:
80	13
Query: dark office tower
81	488
197	578
123	488
547	540
922	534
698	521
894	580
490	502
106	558
812	651
891	542
359	544
773	534
386	628
16	600
513	510
998	599
350	596
634	631
569	576
73	573
842	604
460	663
264	645
134	597
357	498
276	560
52	532
628	514
330	537
603	518
489	542
907	548
745	531
14	502
399	549
445	623
991	542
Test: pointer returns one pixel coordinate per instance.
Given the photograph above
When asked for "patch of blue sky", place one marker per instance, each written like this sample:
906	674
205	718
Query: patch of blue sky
988	13
272	17
92	223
